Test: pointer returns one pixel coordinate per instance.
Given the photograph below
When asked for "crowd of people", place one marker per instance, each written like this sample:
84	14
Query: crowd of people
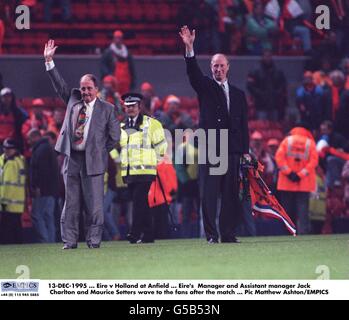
238	27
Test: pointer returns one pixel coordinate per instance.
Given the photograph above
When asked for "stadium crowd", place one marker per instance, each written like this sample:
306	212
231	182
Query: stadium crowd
31	182
238	27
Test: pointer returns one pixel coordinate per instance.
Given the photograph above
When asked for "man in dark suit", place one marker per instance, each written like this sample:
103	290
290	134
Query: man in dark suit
89	131
223	107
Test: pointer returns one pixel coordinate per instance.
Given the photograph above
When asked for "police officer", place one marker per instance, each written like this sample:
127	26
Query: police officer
143	144
12	192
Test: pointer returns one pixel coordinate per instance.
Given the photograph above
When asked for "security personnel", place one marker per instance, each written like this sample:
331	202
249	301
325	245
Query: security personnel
297	160
143	144
12	192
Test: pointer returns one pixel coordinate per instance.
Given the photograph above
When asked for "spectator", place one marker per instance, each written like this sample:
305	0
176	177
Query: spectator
312	103
58	118
66	11
259	31
151	102
43	185
291	16
12	193
173	117
268	88
39	119
51	137
110	93
118	62
110	231
339	17
340	103
333	165
12	118
297	159
231	24
188	188
327	55
345	70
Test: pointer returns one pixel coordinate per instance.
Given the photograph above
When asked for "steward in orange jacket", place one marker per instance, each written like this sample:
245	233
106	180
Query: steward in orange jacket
297	159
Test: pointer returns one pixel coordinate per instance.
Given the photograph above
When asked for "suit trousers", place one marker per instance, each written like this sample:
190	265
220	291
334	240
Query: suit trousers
225	187
83	193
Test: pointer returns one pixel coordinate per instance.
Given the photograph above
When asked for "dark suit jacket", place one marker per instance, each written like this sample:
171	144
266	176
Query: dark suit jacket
104	131
214	111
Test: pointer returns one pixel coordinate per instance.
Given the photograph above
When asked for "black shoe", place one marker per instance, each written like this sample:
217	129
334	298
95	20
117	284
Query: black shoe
231	240
146	241
131	239
212	241
93	246
68	246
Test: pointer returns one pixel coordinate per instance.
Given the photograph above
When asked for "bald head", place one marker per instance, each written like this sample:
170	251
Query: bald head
220	67
88	87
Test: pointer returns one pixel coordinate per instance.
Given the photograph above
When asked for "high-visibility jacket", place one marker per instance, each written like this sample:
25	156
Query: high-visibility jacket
12	184
297	153
142	147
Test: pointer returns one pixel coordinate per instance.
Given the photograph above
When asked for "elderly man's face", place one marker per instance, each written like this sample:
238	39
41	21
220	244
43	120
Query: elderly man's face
88	89
219	67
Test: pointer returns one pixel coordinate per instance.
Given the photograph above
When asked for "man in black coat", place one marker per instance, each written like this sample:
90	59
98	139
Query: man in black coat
44	174
222	107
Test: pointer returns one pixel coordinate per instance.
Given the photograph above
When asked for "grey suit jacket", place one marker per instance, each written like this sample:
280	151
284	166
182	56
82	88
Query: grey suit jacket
104	132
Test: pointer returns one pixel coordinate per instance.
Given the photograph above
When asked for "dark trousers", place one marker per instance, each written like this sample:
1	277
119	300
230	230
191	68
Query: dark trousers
83	193
142	215
10	228
225	187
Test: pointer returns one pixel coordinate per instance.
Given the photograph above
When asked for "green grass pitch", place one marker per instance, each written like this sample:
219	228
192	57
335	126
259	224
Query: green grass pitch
255	258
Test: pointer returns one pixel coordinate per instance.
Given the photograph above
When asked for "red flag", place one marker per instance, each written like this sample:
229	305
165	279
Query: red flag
263	200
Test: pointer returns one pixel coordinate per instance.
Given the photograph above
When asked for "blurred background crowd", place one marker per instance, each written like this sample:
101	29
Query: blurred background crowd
32	201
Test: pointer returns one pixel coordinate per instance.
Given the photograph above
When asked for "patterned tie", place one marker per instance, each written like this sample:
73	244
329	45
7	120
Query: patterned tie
80	126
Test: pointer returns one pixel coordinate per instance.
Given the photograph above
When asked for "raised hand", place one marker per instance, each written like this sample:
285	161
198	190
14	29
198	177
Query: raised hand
50	50
188	37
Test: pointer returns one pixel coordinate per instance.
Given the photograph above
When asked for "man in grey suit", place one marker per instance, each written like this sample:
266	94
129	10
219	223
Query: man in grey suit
89	131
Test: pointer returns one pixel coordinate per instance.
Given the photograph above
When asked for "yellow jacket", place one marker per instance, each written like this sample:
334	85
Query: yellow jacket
12	184
142	147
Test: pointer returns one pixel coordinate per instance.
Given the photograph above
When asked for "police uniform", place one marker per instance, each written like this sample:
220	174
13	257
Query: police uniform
12	194
142	144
